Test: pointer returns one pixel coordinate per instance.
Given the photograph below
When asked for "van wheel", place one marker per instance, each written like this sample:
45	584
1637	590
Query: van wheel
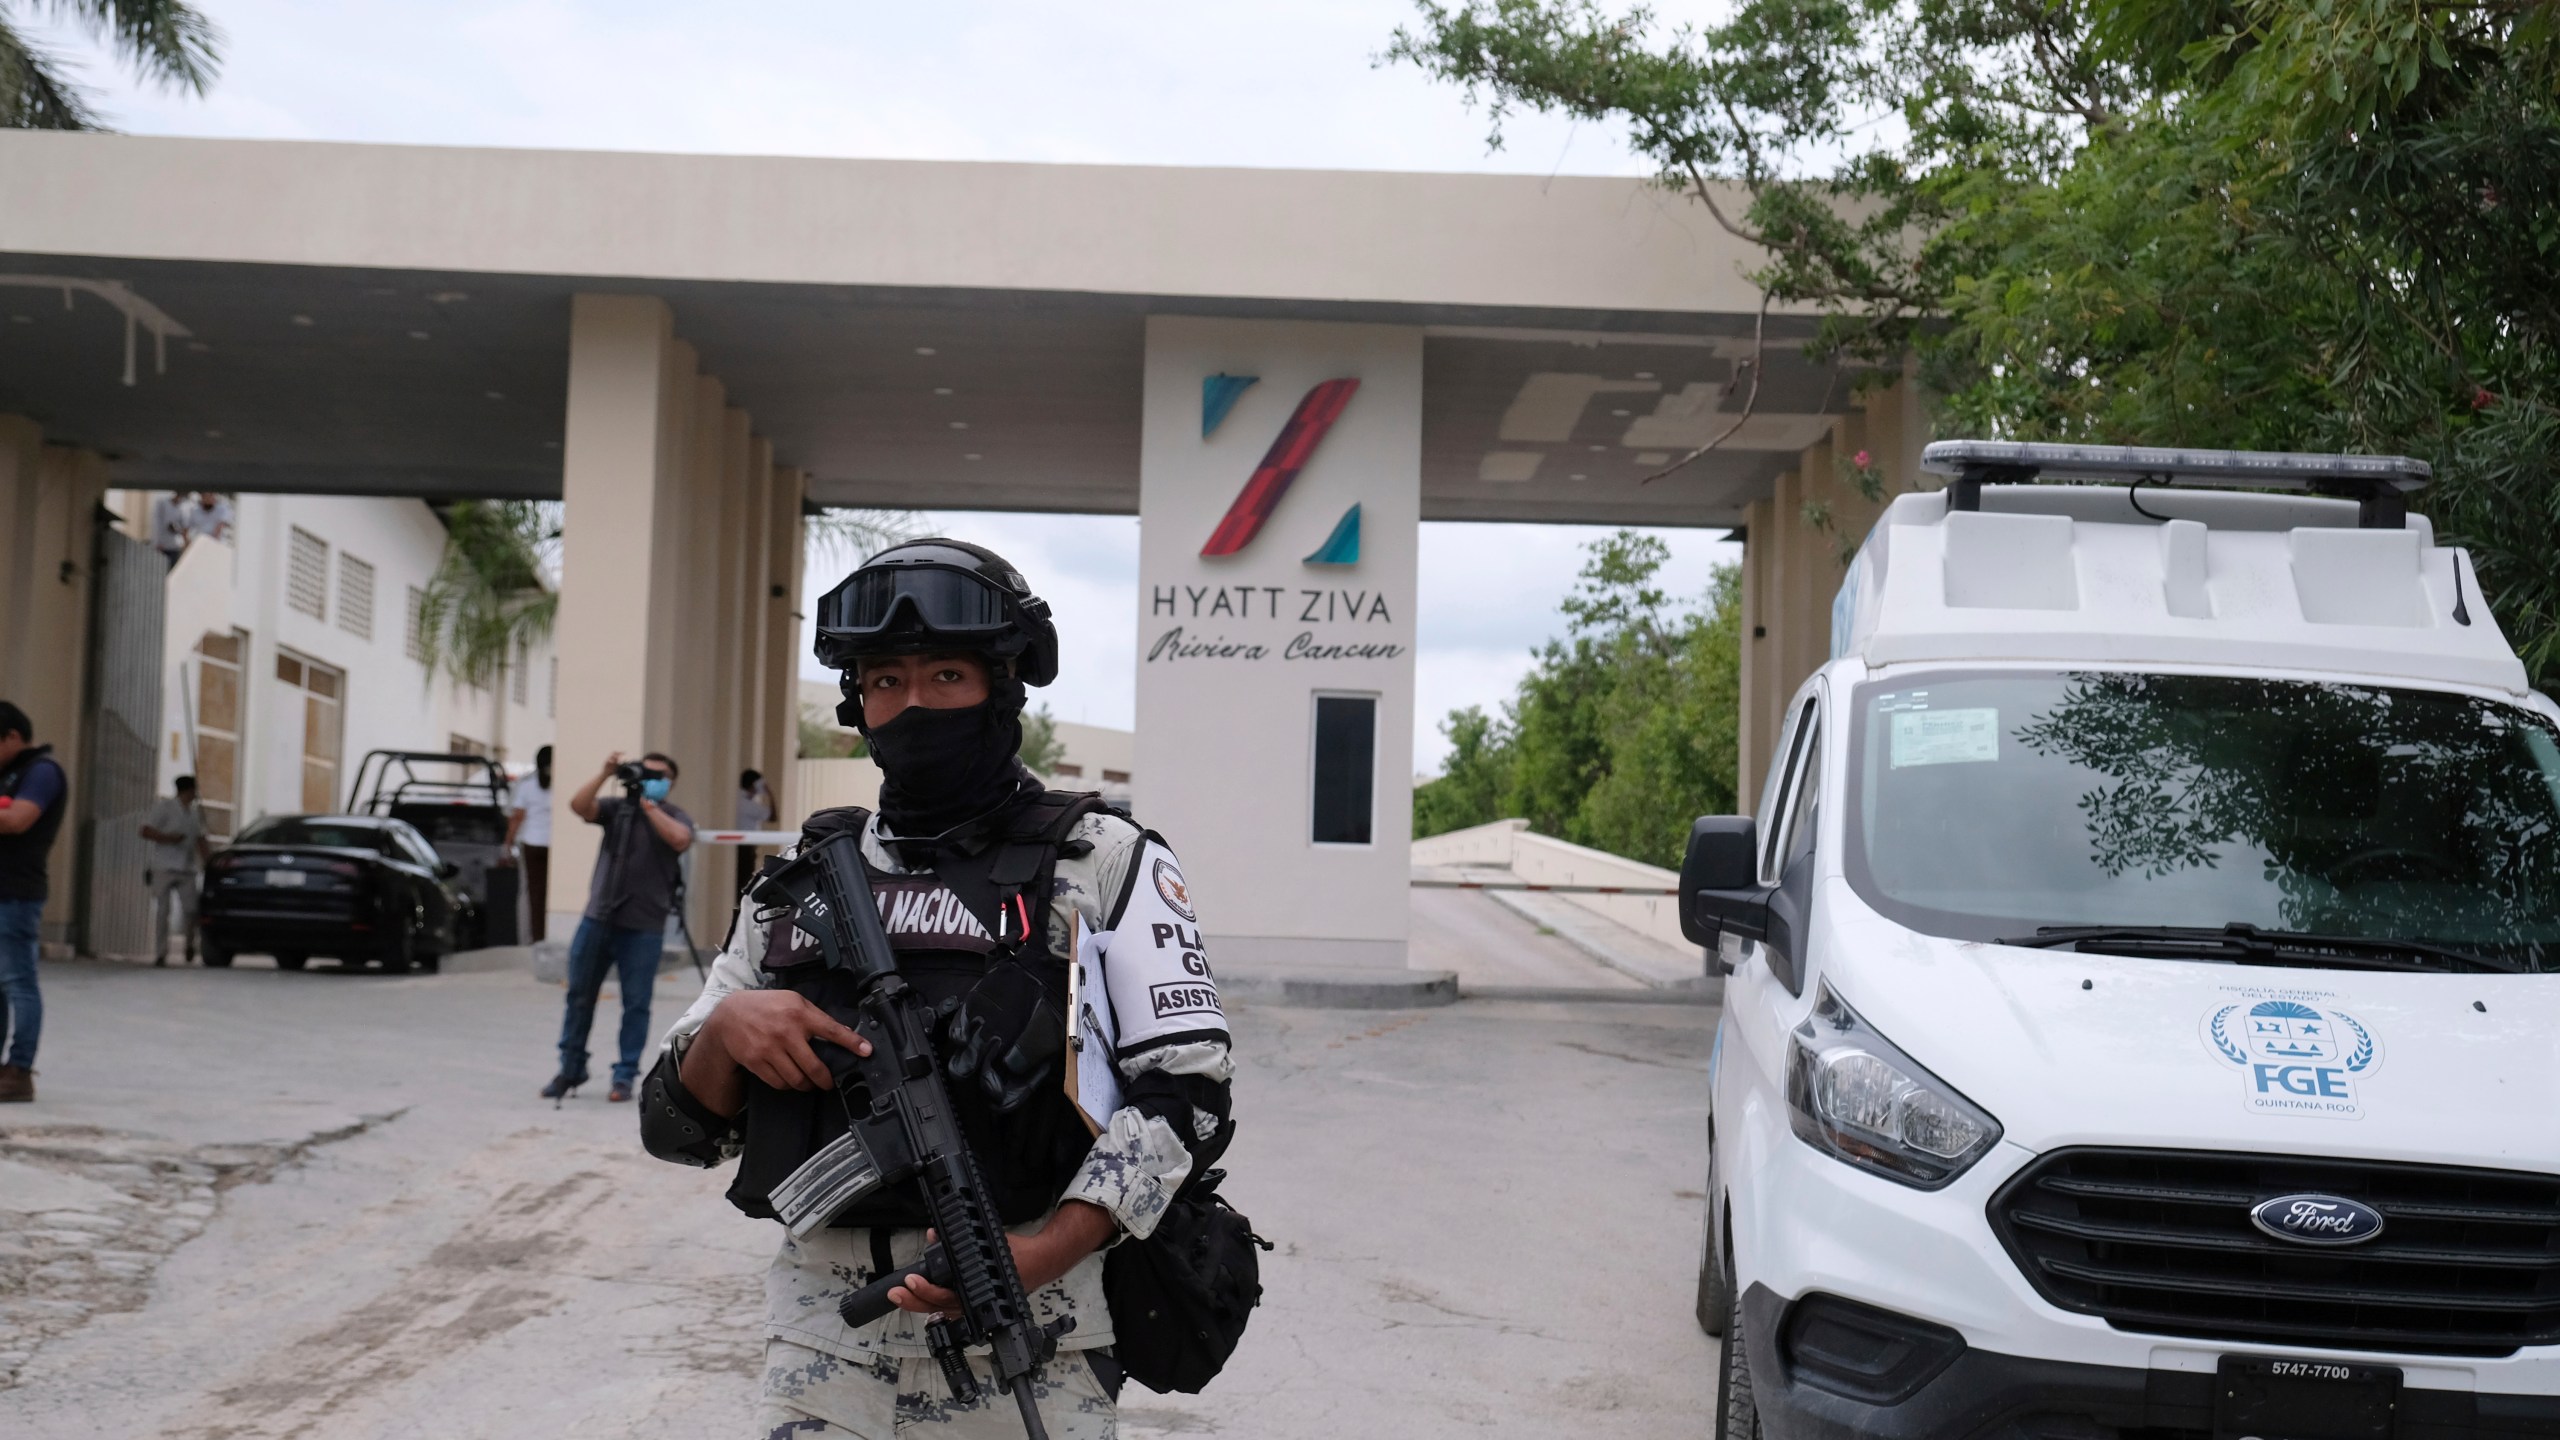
1737	1412
291	960
216	958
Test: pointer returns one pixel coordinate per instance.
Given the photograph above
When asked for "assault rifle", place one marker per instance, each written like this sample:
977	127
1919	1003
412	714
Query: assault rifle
908	1135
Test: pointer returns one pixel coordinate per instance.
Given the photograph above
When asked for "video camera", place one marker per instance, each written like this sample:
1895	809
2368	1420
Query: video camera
633	774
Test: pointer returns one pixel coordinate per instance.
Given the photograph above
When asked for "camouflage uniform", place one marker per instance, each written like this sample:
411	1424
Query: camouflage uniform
814	1393
826	1378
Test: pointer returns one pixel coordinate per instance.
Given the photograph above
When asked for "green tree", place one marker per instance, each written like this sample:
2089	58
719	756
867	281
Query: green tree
1041	747
489	601
841	537
2285	224
1624	729
821	738
1615	635
1674	734
1472	787
165	41
1843	137
2332	228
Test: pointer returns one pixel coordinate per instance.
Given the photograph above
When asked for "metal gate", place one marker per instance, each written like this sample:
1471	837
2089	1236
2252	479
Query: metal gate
121	752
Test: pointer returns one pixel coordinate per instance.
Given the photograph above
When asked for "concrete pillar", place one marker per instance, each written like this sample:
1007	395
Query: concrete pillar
725	519
780	711
55	625
52	680
743	691
21	488
696	620
622	465
1235	649
1796	549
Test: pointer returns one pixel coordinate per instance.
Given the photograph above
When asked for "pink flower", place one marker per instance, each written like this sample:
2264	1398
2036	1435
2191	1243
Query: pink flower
1862	459
2481	399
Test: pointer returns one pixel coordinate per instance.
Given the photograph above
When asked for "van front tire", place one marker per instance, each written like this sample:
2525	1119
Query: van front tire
1737	1412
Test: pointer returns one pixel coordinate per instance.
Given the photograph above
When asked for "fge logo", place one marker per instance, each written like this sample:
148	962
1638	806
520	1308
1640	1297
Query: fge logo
2294	1058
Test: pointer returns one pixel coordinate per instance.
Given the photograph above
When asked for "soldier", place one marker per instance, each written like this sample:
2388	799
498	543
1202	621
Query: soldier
979	874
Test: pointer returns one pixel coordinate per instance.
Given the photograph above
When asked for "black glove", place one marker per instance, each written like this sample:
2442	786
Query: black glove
1006	1037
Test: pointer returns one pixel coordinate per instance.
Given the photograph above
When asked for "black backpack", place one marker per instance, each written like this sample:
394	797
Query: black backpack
1180	1298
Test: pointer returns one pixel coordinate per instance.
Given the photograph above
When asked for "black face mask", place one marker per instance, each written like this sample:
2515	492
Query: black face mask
942	768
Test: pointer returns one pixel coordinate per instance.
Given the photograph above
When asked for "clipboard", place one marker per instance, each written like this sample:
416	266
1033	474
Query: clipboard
1092	1069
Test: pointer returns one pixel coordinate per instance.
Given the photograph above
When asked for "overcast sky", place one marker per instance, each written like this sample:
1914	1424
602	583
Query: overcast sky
1232	82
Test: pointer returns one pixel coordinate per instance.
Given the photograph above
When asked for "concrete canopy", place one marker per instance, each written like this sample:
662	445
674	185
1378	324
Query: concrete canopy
369	319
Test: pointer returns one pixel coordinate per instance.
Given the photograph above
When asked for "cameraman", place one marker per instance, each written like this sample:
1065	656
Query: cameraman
628	897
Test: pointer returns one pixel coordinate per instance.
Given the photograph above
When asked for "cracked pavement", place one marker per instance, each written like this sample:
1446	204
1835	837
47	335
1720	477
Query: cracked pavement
252	1204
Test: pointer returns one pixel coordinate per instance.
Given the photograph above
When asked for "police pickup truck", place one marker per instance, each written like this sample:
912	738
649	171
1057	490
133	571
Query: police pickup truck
2143	1013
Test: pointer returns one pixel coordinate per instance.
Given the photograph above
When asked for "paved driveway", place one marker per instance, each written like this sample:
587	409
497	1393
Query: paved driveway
253	1204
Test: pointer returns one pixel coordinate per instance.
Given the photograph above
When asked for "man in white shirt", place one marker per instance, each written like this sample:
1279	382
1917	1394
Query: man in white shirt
529	826
172	522
175	828
212	516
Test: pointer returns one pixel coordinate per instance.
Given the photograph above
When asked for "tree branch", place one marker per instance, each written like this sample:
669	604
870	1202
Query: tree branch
1759	351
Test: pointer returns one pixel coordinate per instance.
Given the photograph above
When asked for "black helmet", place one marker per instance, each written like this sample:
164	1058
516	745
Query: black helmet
938	594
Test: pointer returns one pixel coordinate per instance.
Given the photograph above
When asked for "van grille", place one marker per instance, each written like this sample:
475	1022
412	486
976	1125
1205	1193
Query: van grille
2160	1241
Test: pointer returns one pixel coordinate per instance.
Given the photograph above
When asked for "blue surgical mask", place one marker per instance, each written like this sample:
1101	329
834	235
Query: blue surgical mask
656	787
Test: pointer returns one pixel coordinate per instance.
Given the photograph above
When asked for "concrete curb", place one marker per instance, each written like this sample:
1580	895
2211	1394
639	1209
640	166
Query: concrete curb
1590	934
1343	989
1704	997
493	959
550	960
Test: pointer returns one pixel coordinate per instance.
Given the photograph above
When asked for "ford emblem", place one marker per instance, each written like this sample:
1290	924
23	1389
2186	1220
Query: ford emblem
2316	1219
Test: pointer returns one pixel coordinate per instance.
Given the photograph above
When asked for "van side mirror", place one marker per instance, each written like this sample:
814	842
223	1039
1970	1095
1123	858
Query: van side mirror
1720	886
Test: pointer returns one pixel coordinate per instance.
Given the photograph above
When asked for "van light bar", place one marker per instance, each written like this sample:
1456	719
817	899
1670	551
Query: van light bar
2156	465
2381	482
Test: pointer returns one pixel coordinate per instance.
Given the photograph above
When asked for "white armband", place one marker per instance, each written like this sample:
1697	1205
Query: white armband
1157	969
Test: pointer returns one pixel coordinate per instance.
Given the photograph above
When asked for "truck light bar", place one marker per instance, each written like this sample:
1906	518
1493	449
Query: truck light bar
2381	482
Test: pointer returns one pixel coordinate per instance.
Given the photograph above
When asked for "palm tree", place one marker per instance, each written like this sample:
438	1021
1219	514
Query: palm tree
166	41
490	598
834	533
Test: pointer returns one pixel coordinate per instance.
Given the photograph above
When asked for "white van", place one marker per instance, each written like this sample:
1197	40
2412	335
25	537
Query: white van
2143	1013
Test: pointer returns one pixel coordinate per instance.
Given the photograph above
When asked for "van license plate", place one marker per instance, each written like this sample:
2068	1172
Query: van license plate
2261	1399
289	879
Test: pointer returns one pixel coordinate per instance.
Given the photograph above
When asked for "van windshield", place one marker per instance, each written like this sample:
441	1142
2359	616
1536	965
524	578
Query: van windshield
1984	806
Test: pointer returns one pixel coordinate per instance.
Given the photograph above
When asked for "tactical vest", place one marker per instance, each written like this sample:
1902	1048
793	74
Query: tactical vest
977	907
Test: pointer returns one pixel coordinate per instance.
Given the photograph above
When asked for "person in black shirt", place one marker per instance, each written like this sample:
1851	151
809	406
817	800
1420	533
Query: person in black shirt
33	790
628	897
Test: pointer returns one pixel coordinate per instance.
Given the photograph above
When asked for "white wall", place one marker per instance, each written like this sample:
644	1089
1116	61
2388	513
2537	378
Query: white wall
391	702
1224	743
1544	860
827	784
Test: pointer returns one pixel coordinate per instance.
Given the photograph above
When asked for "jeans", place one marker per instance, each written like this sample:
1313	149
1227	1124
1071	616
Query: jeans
630	955
163	885
21	1004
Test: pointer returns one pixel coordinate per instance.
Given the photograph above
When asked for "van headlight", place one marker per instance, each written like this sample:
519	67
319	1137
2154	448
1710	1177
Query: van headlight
1852	1093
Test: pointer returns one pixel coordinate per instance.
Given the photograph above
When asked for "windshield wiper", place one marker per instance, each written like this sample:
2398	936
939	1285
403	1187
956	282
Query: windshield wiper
2241	943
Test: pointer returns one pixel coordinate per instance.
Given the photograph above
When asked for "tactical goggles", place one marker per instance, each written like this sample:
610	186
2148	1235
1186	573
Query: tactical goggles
902	602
